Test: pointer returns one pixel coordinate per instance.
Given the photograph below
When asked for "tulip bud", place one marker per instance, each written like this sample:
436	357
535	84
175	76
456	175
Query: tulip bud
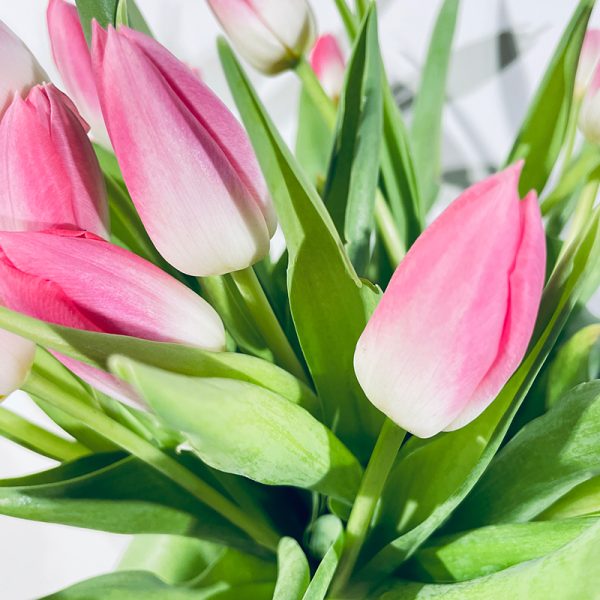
49	174
74	62
76	279
19	70
328	63
270	34
187	162
458	314
17	358
588	61
589	115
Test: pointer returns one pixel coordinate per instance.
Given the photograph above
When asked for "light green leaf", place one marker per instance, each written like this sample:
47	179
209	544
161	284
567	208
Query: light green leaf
354	167
426	128
330	305
105	12
582	500
471	554
545	460
244	429
293	571
542	134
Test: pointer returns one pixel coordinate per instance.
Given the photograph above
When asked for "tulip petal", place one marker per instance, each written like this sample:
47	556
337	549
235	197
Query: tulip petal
17	357
526	284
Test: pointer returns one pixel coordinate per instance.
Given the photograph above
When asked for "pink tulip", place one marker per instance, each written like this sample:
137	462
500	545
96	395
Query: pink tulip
19	70
74	62
589	115
458	314
270	34
588	61
187	162
76	279
49	174
328	63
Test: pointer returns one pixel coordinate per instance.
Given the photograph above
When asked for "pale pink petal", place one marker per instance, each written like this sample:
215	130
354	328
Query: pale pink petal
588	60
328	63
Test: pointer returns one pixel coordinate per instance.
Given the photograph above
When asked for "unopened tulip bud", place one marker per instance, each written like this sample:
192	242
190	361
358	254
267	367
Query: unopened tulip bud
458	314
76	279
49	174
588	61
19	70
328	63
17	357
589	115
186	160
270	34
72	58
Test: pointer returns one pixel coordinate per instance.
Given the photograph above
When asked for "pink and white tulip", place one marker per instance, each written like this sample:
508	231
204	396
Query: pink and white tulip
74	62
589	59
589	114
19	70
458	314
76	279
328	63
49	174
186	160
270	34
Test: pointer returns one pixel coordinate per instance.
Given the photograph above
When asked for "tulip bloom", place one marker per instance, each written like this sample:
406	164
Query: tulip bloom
19	69
328	63
270	34
74	62
588	61
49	174
458	314
589	115
187	162
76	279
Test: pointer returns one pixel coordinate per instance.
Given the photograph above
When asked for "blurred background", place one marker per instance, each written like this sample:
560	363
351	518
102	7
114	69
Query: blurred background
500	52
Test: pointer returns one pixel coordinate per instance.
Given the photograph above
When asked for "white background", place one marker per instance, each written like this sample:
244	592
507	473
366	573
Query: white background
480	122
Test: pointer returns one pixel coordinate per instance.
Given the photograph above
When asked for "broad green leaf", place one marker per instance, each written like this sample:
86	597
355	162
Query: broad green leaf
542	134
471	554
354	166
569	573
582	500
145	586
105	12
545	460
330	305
95	348
121	495
575	363
434	476
293	572
426	127
240	428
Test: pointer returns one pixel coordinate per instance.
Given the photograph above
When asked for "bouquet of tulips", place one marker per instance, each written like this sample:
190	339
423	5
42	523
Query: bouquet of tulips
393	407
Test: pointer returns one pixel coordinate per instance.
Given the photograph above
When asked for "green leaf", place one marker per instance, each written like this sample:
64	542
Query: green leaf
433	476
575	363
426	128
293	571
120	495
542	134
105	12
244	429
471	554
582	500
569	573
330	305
545	460
354	167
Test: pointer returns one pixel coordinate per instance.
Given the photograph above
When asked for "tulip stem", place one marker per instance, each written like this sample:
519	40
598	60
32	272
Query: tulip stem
583	210
265	320
315	90
570	136
39	440
380	464
388	230
39	386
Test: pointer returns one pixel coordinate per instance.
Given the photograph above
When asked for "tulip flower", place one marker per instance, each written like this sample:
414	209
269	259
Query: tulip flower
49	174
588	61
186	160
270	34
76	279
328	63
458	314
74	62
19	70
589	115
17	358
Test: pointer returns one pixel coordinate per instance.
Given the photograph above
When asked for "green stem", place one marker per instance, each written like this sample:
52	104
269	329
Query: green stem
348	18
151	455
379	467
266	322
361	8
388	230
570	136
583	211
39	440
315	90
